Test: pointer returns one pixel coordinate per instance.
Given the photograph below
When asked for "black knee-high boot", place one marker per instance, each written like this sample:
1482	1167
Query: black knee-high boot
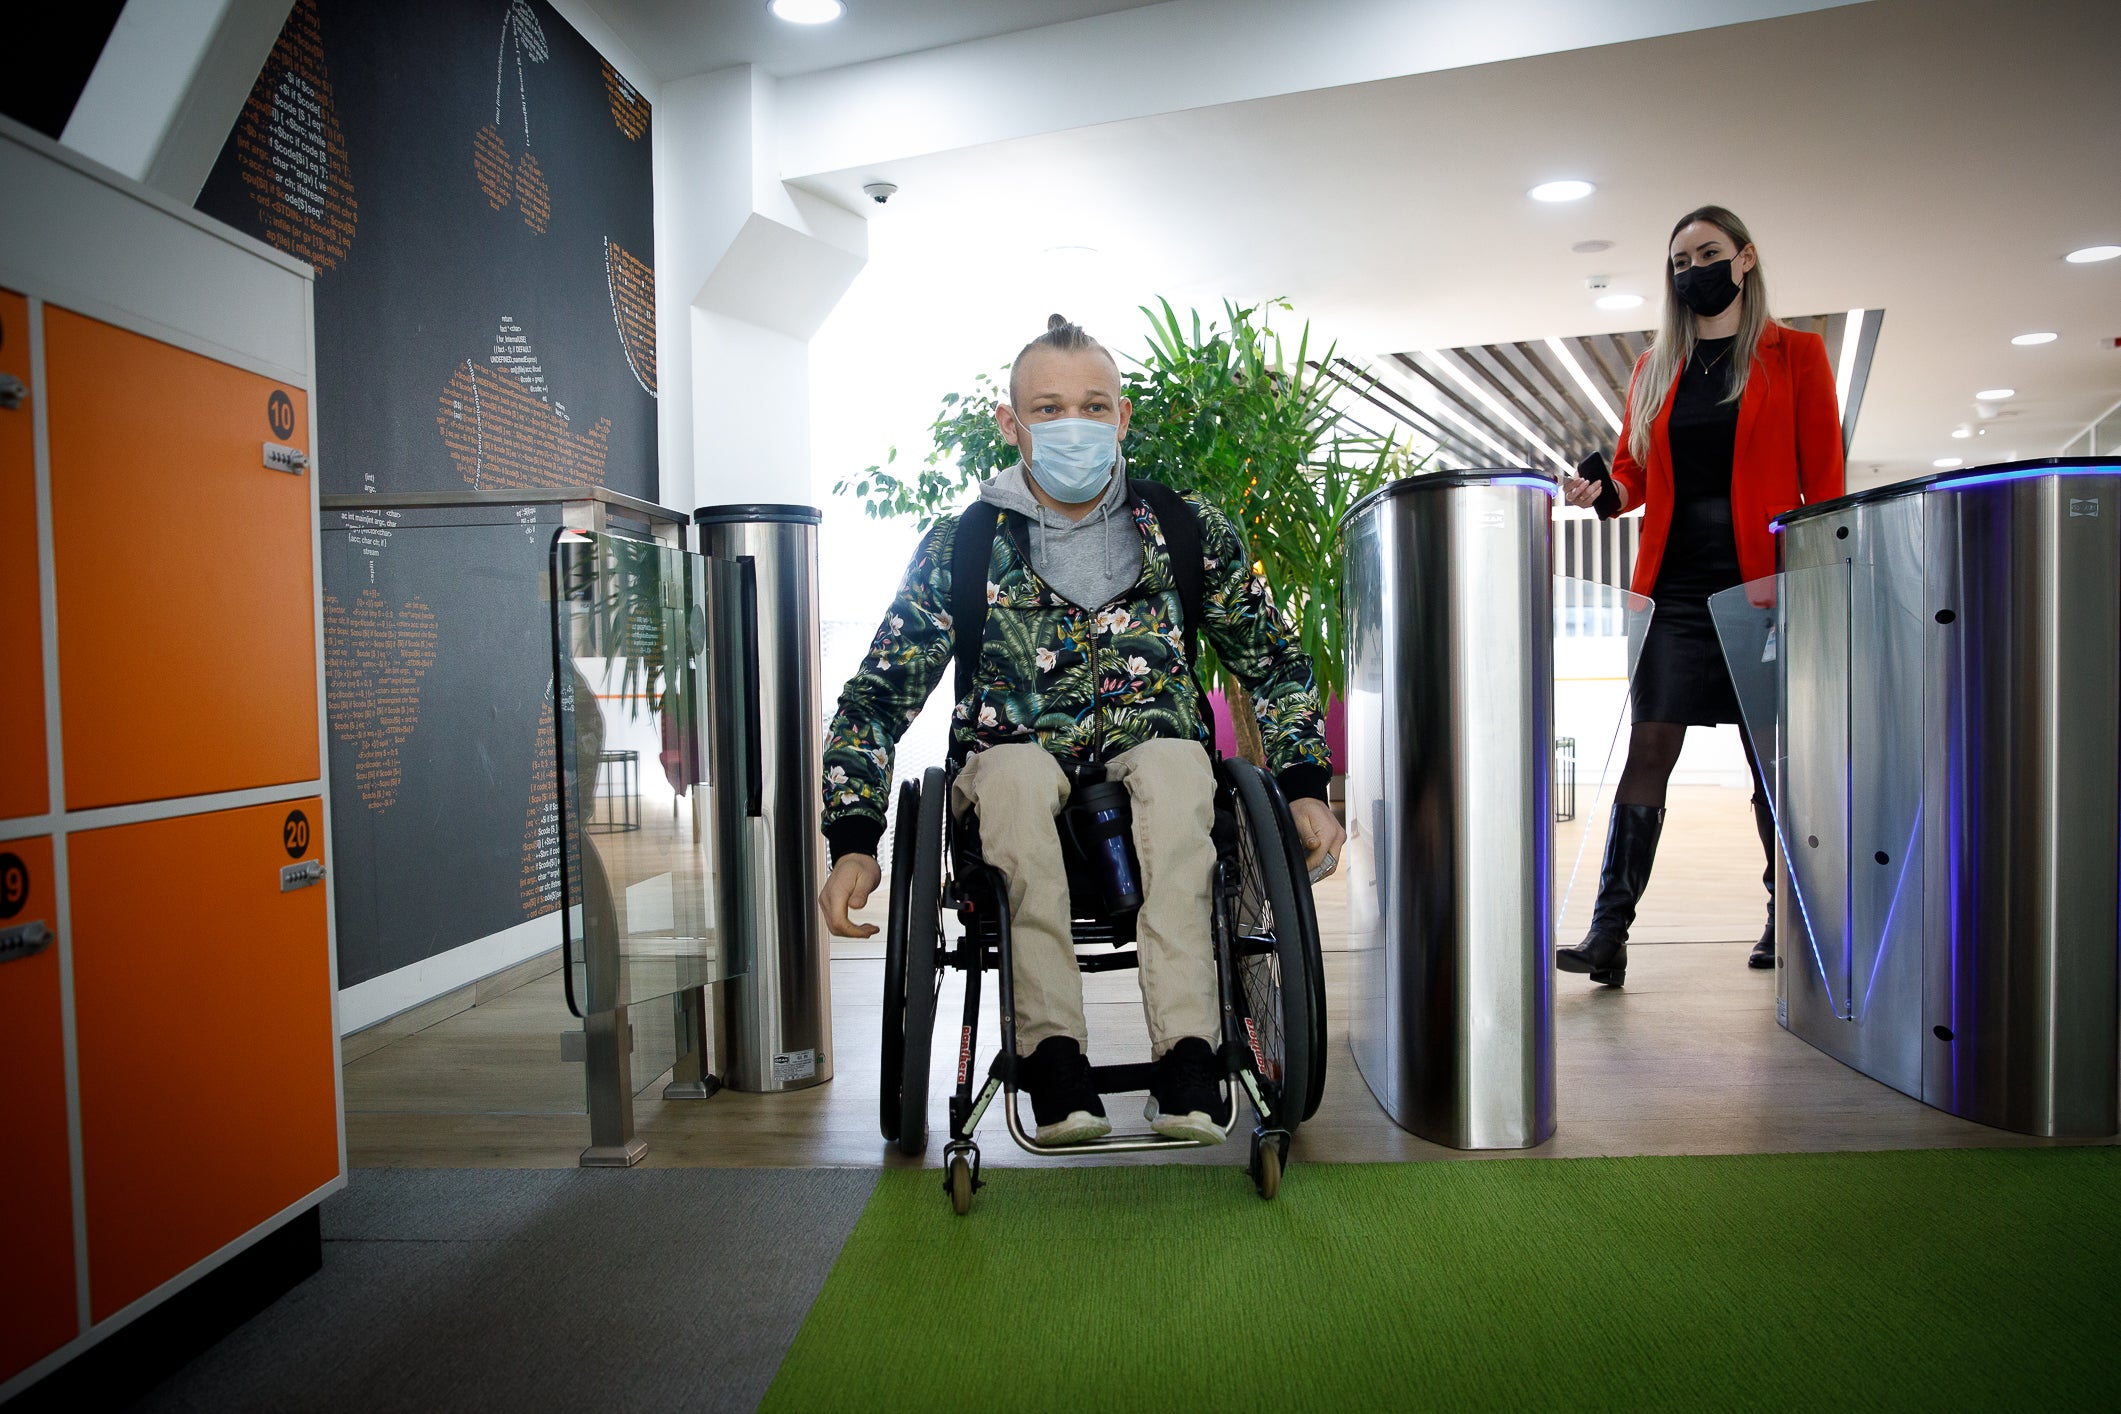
1763	954
1630	849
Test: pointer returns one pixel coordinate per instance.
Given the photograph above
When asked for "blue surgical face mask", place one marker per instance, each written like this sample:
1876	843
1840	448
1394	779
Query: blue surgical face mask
1071	457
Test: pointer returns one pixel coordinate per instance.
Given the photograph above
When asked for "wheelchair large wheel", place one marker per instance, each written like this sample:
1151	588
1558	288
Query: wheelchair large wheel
920	925
905	827
1276	953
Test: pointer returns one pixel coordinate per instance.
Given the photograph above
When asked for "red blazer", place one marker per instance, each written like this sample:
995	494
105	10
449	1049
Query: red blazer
1787	453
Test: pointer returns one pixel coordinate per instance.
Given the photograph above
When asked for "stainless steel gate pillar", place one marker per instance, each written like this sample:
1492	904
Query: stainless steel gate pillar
776	1031
1945	712
1449	621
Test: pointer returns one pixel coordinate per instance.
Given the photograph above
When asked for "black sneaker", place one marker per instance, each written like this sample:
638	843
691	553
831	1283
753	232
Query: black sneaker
1185	1097
1063	1101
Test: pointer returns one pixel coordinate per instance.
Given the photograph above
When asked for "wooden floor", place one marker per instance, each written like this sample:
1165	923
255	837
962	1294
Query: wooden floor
1686	1060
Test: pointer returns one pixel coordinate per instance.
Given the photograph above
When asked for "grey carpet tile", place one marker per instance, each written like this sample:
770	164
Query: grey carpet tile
540	1289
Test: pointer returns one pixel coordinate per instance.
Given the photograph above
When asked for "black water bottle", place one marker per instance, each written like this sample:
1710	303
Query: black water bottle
1101	818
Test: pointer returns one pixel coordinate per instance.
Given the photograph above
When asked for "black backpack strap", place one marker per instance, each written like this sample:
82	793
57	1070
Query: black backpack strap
971	554
1181	526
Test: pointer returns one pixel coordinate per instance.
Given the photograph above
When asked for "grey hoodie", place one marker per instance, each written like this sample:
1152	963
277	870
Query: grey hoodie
1088	562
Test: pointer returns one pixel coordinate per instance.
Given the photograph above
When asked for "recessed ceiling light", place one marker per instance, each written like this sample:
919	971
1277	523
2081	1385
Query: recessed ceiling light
1962	432
2044	337
1620	301
1561	191
1995	395
1591	247
2093	254
1947	463
807	12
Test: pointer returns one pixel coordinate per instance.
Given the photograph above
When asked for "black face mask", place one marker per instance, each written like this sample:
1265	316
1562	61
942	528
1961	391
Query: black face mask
1706	289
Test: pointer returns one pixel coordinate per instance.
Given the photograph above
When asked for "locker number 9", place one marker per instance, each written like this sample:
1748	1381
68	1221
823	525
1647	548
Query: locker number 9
14	885
294	833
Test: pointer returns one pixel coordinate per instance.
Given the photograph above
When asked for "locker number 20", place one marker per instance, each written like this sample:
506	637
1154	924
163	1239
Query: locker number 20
294	833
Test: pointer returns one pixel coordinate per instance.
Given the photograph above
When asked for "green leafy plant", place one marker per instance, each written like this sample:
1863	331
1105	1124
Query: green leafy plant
1221	408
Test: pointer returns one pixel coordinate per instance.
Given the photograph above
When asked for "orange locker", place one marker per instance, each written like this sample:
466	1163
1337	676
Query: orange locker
187	641
202	1008
23	789
37	1220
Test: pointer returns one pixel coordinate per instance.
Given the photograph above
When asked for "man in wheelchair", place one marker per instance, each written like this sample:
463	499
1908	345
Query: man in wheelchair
1083	668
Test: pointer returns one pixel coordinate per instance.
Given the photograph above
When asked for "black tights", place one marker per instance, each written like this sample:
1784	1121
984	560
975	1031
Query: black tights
1653	750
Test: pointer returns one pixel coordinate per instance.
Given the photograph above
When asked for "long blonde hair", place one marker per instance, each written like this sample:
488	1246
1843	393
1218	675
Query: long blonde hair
1660	364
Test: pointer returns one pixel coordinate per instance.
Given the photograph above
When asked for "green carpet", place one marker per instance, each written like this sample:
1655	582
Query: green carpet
1952	1279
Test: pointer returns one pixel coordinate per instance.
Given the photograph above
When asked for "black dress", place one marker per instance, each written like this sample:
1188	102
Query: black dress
1682	676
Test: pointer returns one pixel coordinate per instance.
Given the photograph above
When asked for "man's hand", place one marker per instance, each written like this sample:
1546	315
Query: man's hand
848	887
1321	834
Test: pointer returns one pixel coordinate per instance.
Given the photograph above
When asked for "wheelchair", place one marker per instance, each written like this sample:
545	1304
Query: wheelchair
1269	976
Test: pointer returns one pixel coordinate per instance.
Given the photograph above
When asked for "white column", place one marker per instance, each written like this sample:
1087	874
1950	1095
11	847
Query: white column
747	269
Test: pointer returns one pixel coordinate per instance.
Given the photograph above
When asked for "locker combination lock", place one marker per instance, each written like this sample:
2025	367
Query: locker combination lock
301	876
288	459
13	392
24	940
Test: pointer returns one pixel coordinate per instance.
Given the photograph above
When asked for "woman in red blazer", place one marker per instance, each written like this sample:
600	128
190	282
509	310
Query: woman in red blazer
1732	419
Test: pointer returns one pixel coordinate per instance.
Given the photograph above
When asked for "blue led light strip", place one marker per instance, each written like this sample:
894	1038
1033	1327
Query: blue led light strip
1987	478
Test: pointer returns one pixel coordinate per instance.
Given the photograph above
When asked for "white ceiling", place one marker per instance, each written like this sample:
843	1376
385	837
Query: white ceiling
1931	157
679	38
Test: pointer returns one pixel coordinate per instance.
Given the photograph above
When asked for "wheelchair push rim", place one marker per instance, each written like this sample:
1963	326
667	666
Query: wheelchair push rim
919	924
905	822
1274	952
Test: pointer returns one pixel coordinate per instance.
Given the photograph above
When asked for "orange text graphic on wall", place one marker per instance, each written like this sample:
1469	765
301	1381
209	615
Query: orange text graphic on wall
628	109
632	287
503	176
538	888
291	152
374	659
505	431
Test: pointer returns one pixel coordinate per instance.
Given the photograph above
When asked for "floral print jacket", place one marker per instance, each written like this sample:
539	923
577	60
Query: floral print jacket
1084	683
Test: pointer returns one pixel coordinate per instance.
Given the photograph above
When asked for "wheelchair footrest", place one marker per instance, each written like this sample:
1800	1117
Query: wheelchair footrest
1119	1079
1108	962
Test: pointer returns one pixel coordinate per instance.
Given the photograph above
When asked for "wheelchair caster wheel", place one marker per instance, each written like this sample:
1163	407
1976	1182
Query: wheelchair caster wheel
959	1183
1267	1150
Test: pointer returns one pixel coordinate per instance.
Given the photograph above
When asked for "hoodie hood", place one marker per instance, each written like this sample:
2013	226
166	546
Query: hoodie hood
1089	561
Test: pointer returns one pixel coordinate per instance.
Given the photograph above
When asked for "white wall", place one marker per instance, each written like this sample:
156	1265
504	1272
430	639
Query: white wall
746	272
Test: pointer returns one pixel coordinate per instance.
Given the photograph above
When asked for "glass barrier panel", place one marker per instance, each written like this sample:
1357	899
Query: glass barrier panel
1786	641
1599	631
635	821
438	693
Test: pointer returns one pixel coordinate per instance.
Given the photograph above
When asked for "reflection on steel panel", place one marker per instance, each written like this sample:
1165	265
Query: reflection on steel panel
2019	989
1944	733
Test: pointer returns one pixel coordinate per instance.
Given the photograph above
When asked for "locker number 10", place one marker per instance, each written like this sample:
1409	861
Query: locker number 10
280	414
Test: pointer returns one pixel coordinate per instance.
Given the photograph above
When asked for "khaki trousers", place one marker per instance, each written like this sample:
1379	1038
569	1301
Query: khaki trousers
1018	790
